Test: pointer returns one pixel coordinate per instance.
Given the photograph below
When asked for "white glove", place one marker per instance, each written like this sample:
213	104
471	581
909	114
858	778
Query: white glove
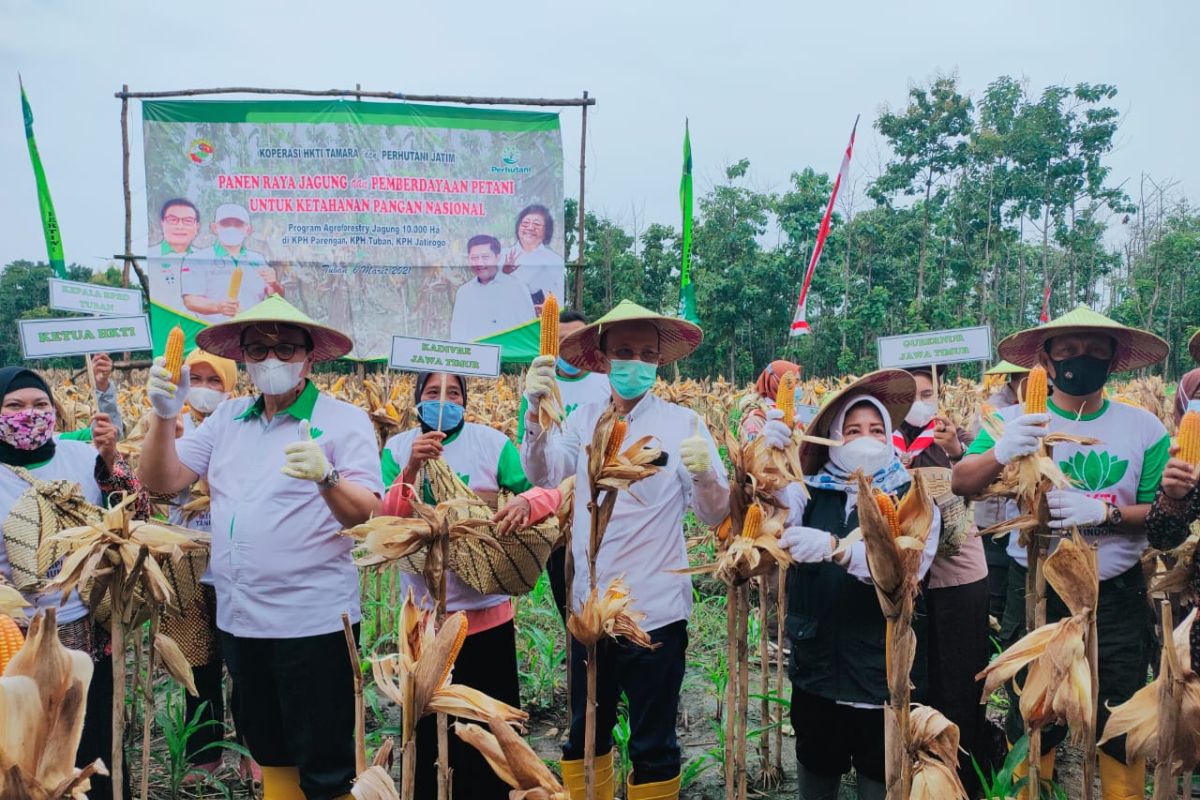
165	397
693	451
1021	437
305	459
777	434
807	545
539	380
1073	509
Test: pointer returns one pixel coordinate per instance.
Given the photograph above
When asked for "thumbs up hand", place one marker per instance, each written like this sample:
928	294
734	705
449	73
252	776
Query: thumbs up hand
305	459
694	452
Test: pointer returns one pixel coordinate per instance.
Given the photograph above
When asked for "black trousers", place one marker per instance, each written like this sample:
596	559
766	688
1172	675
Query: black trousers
1122	621
556	571
295	706
959	648
651	680
487	662
831	738
209	690
998	559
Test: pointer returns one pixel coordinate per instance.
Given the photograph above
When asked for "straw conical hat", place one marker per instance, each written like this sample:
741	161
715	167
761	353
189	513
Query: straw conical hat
677	338
1135	348
225	338
1006	368
894	388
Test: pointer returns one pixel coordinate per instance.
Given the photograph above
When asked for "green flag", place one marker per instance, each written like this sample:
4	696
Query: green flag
687	290
54	250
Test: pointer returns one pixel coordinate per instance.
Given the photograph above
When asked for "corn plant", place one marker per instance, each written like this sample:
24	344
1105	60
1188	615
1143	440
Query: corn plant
175	762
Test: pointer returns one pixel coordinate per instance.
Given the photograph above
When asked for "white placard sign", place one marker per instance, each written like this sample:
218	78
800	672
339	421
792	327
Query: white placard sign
411	354
936	347
76	336
89	298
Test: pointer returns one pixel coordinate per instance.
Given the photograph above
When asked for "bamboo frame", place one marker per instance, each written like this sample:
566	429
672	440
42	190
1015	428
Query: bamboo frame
130	260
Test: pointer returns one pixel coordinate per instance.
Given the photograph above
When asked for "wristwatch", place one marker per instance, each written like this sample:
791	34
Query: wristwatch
1112	517
331	479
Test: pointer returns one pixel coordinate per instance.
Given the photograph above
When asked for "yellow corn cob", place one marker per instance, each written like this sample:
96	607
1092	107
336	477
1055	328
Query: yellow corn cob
785	397
615	439
550	326
1189	438
173	355
752	524
458	643
1035	391
235	283
723	529
11	640
890	514
338	385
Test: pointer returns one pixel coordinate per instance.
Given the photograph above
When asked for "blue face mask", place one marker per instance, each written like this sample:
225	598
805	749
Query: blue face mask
570	370
631	379
452	414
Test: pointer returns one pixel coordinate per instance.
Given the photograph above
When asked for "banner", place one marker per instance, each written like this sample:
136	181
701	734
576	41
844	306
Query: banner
800	325
378	219
687	289
54	248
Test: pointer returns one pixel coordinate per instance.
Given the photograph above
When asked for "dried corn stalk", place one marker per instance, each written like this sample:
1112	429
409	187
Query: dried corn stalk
513	761
43	695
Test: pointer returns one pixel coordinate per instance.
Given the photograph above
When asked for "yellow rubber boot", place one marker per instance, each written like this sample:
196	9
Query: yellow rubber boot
662	790
1045	770
281	783
573	777
1122	781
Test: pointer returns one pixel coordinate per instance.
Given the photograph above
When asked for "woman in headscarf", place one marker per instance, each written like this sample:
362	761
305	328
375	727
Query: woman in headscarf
766	386
487	461
1188	390
838	670
29	453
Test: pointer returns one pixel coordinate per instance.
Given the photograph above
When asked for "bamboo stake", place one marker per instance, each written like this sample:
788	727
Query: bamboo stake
743	712
360	717
731	675
1034	561
1169	699
148	705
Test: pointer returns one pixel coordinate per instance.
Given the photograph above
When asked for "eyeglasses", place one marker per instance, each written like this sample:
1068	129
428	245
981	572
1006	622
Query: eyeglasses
171	219
533	223
283	351
627	354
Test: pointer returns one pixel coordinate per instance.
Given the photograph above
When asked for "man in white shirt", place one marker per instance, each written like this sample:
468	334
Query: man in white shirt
644	540
491	301
180	223
286	471
206	275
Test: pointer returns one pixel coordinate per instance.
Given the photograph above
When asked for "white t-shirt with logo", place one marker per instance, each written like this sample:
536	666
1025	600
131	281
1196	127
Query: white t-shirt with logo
1124	469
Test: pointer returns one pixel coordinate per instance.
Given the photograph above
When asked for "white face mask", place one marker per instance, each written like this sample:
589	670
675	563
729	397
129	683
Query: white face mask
273	376
204	400
231	236
921	412
866	453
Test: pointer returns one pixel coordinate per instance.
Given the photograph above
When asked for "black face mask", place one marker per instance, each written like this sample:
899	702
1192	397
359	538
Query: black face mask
1079	376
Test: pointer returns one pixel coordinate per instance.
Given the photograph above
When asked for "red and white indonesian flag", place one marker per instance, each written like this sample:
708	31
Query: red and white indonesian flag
799	321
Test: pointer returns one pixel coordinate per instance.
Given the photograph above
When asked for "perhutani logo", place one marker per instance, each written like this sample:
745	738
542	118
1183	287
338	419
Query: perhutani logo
199	151
511	158
1095	471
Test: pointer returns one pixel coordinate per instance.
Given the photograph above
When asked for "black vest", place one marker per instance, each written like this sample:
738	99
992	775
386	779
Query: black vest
835	624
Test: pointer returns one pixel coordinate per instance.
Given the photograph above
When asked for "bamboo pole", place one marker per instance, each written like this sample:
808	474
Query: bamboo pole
148	705
1034	561
360	717
1165	779
731	675
582	220
358	93
743	711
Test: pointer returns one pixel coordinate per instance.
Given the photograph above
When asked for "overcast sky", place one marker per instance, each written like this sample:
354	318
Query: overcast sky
778	83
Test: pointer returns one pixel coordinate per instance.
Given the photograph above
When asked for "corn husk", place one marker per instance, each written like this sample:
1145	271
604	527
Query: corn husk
43	695
175	662
1138	717
610	615
894	560
418	677
933	748
1058	686
1182	565
12	602
513	761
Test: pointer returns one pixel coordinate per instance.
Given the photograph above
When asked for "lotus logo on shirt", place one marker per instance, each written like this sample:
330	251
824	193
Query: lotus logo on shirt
1094	471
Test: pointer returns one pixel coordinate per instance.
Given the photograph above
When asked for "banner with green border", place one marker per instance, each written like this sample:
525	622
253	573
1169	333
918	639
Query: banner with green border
378	219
